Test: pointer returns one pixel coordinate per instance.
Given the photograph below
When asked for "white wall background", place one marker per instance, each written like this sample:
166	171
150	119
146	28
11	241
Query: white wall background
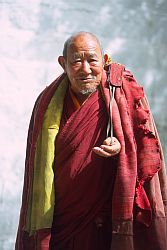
32	33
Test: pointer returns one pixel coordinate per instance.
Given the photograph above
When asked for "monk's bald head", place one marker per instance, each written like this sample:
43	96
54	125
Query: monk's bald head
82	62
78	38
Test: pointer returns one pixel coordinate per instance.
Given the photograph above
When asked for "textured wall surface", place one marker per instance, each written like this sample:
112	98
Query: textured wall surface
32	33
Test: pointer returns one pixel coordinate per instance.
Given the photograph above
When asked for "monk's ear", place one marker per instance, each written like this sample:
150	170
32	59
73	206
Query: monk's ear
61	61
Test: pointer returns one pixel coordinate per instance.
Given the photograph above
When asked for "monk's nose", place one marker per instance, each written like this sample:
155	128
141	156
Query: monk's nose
86	69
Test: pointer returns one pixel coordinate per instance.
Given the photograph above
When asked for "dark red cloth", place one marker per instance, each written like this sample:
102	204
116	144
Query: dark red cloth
139	158
90	237
83	180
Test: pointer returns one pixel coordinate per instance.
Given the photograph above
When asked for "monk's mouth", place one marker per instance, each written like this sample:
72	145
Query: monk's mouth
86	80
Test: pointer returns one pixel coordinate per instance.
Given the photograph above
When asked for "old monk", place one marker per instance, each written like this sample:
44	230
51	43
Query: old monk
94	173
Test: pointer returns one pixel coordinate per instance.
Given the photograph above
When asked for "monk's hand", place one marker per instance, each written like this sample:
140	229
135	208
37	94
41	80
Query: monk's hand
108	149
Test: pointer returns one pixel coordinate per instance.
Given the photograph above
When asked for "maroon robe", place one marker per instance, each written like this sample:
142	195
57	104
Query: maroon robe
83	180
139	195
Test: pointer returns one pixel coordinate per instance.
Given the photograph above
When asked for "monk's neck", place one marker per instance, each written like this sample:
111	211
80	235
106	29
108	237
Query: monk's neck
81	98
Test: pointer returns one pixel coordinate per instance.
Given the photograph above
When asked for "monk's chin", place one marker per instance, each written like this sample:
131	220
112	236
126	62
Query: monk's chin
87	91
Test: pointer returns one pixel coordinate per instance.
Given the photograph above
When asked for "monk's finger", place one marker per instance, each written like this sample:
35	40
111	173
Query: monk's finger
112	149
108	141
99	151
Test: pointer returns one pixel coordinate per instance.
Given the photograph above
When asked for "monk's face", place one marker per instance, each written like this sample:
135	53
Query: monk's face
84	64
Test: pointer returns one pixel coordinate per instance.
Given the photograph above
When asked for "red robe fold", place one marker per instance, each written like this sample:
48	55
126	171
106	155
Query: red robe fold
83	180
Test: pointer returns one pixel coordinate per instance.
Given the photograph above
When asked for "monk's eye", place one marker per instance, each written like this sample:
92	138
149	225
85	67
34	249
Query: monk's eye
76	62
93	61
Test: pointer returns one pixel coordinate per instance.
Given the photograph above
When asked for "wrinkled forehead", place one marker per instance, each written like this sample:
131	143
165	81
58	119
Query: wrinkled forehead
84	45
84	54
